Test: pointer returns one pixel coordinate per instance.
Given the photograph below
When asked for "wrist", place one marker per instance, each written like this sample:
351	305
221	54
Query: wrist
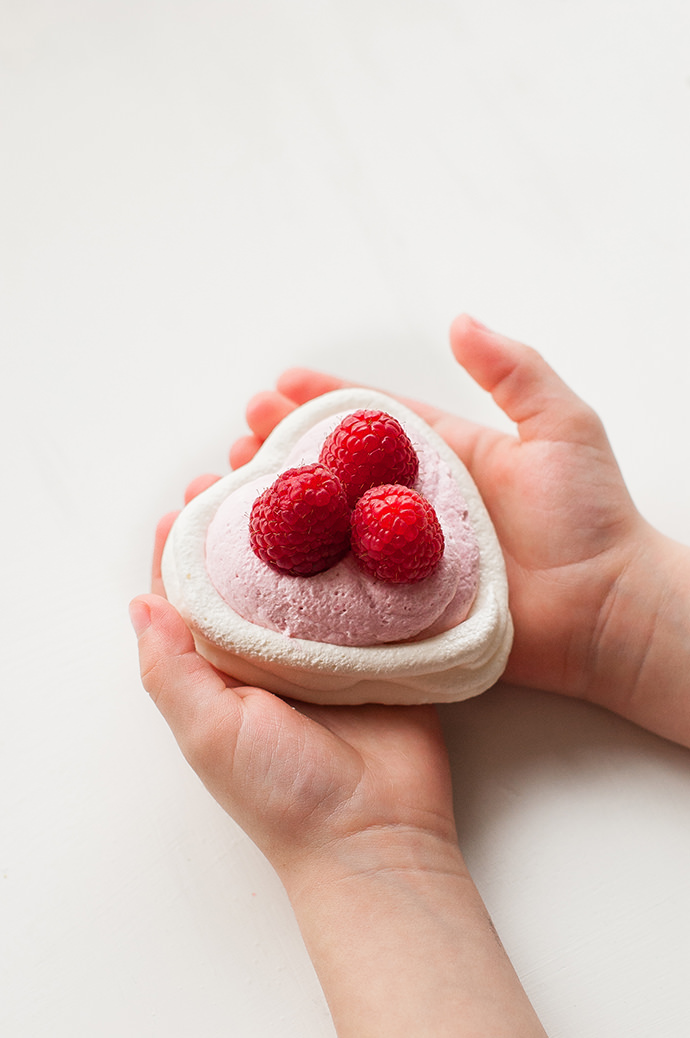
641	652
372	853
401	940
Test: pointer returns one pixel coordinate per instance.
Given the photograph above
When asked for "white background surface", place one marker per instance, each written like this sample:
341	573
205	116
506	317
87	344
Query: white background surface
195	195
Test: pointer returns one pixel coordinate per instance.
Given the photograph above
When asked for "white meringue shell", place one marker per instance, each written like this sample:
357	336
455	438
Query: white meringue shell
447	667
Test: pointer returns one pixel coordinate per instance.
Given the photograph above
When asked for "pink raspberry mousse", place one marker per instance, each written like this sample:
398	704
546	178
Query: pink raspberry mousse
344	605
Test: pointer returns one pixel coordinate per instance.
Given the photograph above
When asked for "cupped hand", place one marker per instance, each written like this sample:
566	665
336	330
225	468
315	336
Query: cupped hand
565	520
302	780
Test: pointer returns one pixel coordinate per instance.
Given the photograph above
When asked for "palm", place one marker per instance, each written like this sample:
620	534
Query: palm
292	773
558	509
298	775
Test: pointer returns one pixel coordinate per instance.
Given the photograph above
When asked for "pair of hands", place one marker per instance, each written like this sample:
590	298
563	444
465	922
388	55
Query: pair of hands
304	780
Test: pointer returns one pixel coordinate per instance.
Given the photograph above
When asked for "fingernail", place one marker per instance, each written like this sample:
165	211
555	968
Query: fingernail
480	324
140	615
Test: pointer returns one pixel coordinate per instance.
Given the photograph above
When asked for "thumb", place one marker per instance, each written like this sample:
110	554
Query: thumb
523	385
192	696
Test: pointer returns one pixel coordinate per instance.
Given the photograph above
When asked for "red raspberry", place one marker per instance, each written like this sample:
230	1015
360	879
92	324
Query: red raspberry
368	449
301	523
396	535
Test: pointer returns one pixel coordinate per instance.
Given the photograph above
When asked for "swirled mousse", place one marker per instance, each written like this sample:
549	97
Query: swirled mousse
344	605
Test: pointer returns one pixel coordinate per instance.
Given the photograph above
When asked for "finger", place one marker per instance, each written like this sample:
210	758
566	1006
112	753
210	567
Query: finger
198	485
162	531
243	450
297	386
265	410
302	384
191	695
523	385
461	435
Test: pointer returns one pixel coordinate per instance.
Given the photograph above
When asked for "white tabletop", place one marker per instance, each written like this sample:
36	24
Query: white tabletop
194	196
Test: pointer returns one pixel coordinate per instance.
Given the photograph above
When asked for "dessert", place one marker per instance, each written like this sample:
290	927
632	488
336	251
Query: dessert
343	634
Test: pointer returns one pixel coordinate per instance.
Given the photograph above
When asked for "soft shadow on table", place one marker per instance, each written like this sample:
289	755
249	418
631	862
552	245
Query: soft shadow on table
514	750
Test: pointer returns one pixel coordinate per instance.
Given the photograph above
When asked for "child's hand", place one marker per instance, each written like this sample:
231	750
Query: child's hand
294	777
353	807
588	577
557	499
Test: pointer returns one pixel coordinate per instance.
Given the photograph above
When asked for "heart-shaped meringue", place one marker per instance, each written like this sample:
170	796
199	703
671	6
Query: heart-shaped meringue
443	667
